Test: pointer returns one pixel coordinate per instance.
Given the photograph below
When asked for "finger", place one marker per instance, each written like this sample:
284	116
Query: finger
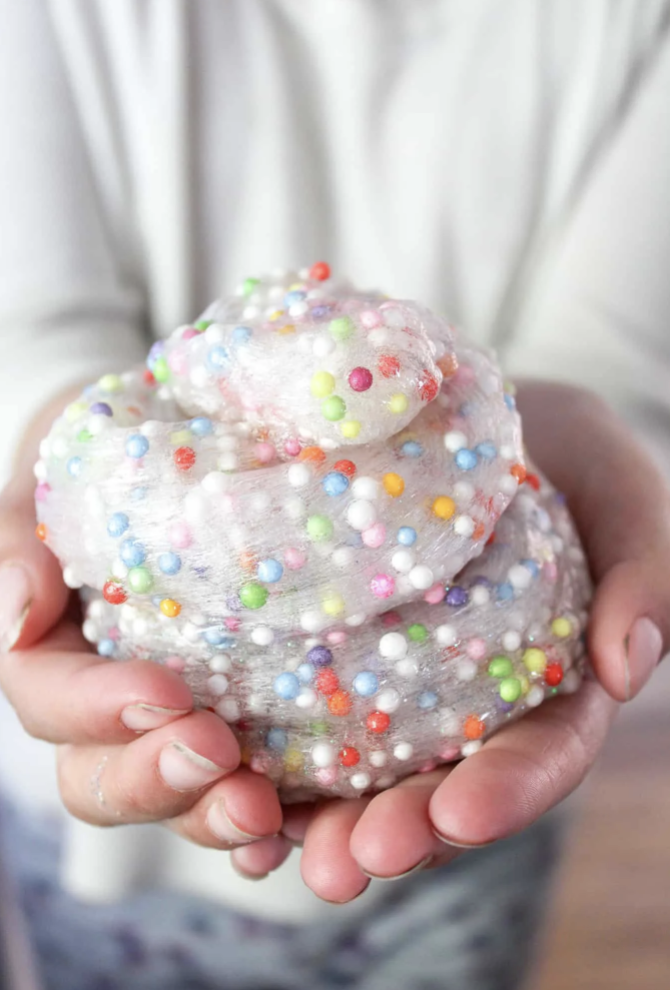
236	811
63	693
33	595
256	861
621	505
524	770
297	818
158	776
327	866
395	836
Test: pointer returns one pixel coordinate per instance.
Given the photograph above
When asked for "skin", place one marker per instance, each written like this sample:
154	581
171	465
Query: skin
621	506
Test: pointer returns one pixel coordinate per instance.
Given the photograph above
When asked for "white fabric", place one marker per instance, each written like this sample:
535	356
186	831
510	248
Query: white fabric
507	163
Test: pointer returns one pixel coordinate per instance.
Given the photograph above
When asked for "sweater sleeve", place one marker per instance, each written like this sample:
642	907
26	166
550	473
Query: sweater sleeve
598	314
69	308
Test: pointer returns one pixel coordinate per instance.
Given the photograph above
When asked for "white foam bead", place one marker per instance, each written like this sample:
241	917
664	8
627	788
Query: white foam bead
218	684
328	444
190	632
466	670
464	525
394	317
323	755
251	312
295	508
150	428
312	621
535	696
404	586
378	758
450	724
298	475
97	425
454	441
71	578
471	747
507	452
464	492
307	698
406	668
343	557
220	664
446	635
360	780
215	483
195	506
164	394
214	333
323	345
199	376
361	514
96	610
403	561
387	701
557	544
421	577
262	635
59	447
480	595
507	484
511	640
228	709
90	630
119	570
520	577
45	448
366	488
356	620
393	646
403	751
227	461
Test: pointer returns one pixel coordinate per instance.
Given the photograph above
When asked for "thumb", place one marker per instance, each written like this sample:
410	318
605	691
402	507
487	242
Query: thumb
33	595
630	624
621	506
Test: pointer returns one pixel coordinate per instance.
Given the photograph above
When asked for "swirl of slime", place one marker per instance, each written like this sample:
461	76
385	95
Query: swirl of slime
313	503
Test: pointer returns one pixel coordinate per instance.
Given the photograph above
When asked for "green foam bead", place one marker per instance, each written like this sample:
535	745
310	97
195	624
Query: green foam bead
253	595
510	689
501	667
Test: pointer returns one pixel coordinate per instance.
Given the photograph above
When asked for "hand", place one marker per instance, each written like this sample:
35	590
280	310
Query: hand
620	504
130	746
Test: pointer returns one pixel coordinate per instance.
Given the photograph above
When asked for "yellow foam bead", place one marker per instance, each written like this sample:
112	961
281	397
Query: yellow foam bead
75	410
561	627
333	605
181	438
393	484
535	660
170	608
350	429
293	760
111	383
444	507
398	403
322	384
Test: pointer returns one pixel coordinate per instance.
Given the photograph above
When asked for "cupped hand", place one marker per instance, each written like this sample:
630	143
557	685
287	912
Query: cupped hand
131	748
621	507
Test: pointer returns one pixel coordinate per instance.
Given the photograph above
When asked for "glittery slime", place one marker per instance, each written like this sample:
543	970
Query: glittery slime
313	503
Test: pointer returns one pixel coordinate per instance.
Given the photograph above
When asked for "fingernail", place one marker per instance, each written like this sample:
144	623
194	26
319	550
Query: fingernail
643	649
15	602
462	845
184	770
143	718
223	828
399	876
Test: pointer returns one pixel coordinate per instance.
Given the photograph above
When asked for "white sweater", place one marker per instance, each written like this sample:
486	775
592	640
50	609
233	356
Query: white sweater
506	162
